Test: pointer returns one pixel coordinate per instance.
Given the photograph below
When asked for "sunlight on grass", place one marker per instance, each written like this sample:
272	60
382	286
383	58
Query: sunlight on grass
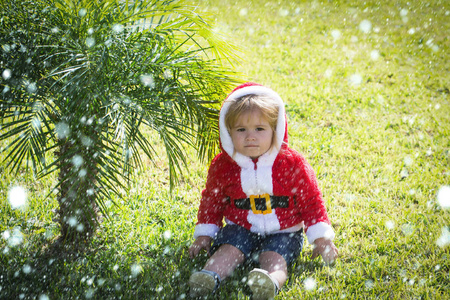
367	91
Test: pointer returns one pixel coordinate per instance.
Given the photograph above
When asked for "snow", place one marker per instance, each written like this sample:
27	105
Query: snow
26	269
407	229
90	42
369	284
62	130
243	12
6	74
135	269
310	284
444	239
365	26
443	197
17	197
375	54
408	161
147	80
72	221
77	160
336	34
167	234
31	88
14	238
283	12
118	28
389	224
82	12
355	79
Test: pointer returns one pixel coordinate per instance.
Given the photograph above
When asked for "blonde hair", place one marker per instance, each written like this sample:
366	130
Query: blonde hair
267	106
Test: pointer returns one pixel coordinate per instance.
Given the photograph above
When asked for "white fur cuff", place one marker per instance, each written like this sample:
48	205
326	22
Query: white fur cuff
319	230
205	230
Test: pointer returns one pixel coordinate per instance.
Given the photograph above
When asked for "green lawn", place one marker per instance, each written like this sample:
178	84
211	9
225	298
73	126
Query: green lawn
366	86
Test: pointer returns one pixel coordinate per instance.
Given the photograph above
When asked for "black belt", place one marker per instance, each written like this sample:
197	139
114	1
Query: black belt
262	204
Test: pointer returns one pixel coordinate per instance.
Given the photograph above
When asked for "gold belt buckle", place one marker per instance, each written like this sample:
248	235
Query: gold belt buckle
268	209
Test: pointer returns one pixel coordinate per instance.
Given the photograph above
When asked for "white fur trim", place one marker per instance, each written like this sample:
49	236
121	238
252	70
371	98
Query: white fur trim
225	138
264	178
319	230
263	223
257	182
206	230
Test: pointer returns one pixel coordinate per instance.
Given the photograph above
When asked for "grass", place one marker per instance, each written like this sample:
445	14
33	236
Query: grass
369	110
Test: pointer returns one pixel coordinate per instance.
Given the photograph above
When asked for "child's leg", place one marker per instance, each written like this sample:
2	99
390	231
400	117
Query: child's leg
225	260
231	246
277	252
266	282
218	267
275	264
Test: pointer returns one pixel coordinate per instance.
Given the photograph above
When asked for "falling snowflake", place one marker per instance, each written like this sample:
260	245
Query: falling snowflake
444	239
82	12
375	54
72	221
118	28
167	234
365	26
26	269
443	197
243	12
389	224
90	42
310	284
17	197
136	269
408	161
369	284
6	74
283	12
336	34
77	160
356	79
407	229
147	80
62	130
15	238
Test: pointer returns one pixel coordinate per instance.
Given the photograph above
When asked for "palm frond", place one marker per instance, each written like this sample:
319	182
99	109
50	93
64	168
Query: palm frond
95	77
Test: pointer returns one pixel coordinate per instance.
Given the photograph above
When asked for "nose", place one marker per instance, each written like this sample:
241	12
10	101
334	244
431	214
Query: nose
250	137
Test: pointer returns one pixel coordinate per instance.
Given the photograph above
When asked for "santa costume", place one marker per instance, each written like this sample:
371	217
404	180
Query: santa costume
277	192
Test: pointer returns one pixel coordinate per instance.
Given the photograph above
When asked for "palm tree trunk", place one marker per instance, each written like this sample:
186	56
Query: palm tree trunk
78	211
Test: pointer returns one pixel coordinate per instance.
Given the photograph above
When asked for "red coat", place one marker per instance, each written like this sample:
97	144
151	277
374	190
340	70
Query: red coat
282	172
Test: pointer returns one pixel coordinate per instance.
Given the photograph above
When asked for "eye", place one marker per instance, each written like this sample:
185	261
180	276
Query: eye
240	129
260	129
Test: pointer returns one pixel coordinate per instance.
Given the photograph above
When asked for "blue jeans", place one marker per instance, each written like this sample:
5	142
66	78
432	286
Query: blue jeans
288	245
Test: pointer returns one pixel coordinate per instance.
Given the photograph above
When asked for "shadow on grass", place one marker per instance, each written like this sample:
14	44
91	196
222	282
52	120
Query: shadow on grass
105	271
96	271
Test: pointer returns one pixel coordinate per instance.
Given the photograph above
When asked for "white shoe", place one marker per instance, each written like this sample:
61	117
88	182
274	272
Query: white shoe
203	283
262	285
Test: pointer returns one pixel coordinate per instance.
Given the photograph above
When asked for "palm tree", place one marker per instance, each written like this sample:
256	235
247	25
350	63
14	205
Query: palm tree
84	80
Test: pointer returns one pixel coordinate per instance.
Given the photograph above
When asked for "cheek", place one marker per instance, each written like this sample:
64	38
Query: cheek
269	137
236	138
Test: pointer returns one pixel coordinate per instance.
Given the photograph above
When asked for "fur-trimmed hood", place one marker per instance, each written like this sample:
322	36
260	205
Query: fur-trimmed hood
226	144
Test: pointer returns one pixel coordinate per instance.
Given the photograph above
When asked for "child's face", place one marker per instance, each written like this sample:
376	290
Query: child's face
252	134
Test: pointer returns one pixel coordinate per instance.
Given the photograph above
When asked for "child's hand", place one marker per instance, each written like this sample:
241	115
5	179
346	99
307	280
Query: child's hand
201	242
326	248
